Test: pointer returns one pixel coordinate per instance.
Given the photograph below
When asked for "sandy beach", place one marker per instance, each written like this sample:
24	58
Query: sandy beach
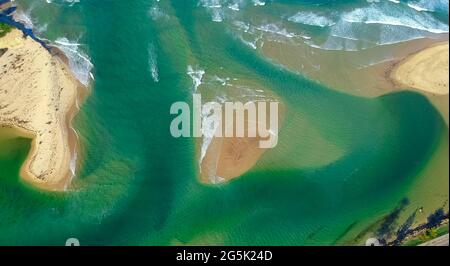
426	70
38	99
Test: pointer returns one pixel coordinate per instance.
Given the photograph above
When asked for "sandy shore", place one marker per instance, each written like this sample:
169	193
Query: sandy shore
426	70
38	99
231	157
228	158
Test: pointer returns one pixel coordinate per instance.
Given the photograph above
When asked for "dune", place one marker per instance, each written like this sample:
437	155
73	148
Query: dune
426	70
38	99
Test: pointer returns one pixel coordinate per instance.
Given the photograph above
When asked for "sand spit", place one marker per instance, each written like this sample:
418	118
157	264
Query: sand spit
426	70
38	99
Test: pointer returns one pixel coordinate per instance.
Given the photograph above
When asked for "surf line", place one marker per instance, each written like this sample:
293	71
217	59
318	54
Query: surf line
210	120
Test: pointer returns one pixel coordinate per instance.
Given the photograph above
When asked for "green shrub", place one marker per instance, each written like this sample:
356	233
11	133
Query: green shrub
4	29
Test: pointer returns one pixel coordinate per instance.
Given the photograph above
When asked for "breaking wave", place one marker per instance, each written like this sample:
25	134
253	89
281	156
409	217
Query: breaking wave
24	18
312	19
395	17
79	62
196	76
357	28
70	2
430	6
153	63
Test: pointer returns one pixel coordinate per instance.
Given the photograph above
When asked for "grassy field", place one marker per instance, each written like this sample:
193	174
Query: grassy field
4	29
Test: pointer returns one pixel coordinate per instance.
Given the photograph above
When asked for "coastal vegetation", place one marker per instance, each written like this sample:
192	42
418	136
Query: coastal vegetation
427	235
4	29
436	225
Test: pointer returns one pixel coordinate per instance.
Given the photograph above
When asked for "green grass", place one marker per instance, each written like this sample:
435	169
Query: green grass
4	29
427	236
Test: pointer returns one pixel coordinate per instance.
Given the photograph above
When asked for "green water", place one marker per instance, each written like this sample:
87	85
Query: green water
342	161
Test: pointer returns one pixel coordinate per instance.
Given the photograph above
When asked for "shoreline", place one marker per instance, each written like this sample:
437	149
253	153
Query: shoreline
400	72
56	178
340	71
419	230
7	16
439	100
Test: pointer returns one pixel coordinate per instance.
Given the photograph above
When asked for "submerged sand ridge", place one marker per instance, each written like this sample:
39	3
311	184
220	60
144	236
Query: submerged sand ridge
38	97
227	158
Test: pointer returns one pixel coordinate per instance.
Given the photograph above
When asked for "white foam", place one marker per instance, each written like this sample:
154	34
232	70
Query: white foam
215	9
65	42
217	16
429	5
312	19
375	15
378	23
234	7
70	2
417	7
196	76
210	124
249	43
222	81
274	29
24	18
242	26
153	63
258	3
79	62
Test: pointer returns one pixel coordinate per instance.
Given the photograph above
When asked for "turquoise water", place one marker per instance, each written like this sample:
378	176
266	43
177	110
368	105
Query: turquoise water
137	185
